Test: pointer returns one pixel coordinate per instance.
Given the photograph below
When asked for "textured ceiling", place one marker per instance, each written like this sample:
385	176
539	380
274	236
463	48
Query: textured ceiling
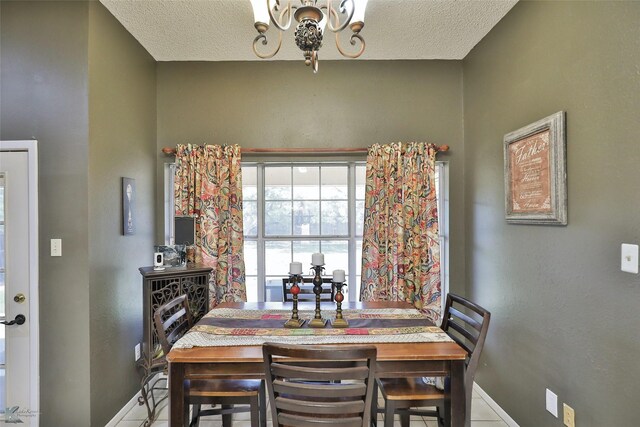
222	30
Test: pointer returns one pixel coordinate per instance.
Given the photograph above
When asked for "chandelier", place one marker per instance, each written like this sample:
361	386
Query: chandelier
313	18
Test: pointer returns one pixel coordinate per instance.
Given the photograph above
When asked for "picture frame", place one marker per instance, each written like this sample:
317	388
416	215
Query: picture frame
128	206
535	177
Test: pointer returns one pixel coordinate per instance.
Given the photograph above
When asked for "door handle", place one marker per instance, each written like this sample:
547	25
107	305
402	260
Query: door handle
19	320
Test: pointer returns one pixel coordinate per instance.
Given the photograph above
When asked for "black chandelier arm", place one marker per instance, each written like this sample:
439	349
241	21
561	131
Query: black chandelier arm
286	11
265	41
354	37
332	12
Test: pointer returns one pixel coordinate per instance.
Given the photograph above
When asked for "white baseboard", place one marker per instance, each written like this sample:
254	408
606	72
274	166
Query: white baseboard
492	403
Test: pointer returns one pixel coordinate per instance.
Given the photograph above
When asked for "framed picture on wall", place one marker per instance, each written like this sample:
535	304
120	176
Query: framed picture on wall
535	177
128	206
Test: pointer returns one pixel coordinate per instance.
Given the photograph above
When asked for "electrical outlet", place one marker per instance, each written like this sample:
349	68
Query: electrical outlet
137	351
569	415
552	403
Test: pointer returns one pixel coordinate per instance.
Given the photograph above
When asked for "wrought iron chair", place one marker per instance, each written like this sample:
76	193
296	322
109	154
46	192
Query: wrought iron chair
172	321
300	388
403	394
306	290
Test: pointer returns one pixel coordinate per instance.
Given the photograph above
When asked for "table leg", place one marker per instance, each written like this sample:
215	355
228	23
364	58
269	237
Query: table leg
458	417
178	407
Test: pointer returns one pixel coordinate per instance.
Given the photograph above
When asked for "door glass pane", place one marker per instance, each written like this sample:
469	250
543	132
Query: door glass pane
334	183
251	257
335	218
2	312
274	288
277	218
306	218
277	183
3	401
306	182
277	258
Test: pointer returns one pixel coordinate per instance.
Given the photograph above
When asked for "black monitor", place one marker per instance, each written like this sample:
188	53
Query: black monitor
185	230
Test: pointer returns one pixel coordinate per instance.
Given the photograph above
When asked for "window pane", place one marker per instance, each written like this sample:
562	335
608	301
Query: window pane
277	183
302	252
2	291
277	258
3	403
358	268
359	219
249	183
250	258
306	218
277	218
274	289
252	288
336	256
335	218
334	183
250	218
306	183
361	176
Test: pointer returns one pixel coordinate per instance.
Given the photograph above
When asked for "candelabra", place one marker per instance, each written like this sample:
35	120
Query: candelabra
317	321
339	321
295	321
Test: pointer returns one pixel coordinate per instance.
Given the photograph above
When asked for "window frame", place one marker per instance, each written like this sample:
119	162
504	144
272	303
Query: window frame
352	238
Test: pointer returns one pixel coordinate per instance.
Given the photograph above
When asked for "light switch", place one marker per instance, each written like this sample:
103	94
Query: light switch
56	247
629	258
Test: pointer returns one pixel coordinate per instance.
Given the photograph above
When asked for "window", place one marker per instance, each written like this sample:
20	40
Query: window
291	210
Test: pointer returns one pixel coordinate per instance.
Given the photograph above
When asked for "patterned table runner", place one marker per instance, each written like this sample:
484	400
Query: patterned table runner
238	327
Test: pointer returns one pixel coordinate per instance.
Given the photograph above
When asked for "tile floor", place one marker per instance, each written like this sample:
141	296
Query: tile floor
481	416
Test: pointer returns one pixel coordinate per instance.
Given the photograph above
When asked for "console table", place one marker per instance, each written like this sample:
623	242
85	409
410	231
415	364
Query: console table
160	287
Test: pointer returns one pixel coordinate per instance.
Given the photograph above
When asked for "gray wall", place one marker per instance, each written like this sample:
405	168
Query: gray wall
76	81
564	316
122	141
347	104
44	95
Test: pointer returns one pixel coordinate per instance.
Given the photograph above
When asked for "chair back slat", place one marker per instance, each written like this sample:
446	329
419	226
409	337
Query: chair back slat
306	290
172	320
473	339
285	419
466	319
317	406
298	402
312	373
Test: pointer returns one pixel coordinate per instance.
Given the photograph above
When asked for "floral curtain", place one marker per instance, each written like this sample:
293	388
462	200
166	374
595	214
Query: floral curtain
208	186
400	248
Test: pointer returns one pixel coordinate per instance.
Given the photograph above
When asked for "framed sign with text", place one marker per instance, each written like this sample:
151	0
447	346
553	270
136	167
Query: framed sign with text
535	177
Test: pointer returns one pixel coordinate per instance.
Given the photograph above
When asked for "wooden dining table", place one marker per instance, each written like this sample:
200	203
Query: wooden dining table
394	360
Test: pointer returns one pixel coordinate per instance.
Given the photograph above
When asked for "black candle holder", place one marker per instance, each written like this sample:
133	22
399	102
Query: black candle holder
317	321
295	321
339	321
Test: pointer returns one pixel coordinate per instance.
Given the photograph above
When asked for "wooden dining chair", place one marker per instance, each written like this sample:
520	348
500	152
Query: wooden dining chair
302	386
401	395
306	290
172	321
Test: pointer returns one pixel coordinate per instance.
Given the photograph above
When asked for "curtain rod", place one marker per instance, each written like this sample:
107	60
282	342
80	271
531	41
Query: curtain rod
172	151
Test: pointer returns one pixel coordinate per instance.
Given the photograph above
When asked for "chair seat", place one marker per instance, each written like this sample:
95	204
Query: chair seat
408	389
224	388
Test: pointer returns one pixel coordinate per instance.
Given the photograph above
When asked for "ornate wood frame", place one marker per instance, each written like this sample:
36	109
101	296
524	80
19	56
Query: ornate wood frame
535	173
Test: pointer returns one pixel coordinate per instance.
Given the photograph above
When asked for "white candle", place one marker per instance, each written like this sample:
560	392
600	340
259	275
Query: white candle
317	259
338	276
295	268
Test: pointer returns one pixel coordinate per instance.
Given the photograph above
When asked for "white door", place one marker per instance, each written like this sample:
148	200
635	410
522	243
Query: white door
18	374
